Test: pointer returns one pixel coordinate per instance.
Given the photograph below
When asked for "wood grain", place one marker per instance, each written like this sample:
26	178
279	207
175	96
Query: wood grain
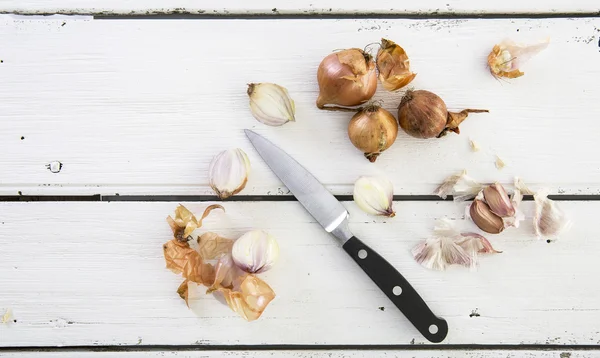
303	7
142	106
93	274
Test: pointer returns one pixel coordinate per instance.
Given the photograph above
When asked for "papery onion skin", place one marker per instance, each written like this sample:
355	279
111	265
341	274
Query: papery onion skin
346	78
393	66
423	114
373	130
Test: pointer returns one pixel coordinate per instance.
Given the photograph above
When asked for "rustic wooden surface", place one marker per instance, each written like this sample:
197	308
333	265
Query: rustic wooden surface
301	7
140	106
93	274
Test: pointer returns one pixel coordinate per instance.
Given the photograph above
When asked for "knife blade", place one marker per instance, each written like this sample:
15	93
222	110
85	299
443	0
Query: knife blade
333	217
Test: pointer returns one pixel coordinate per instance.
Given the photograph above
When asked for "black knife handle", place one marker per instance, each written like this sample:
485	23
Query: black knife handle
398	290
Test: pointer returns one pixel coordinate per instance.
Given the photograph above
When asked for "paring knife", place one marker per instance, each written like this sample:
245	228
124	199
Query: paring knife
333	217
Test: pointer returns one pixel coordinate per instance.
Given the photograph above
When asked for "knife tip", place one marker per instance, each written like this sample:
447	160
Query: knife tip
249	133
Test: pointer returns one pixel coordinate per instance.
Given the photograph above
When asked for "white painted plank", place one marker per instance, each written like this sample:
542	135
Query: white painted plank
328	354
141	106
273	7
93	274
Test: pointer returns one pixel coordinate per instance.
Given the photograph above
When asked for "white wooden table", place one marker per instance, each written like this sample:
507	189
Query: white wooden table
135	97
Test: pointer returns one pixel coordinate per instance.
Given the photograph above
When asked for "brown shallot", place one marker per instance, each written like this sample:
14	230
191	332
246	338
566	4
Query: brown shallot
423	114
346	78
372	130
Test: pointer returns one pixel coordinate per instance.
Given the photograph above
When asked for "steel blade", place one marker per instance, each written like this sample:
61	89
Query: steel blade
315	198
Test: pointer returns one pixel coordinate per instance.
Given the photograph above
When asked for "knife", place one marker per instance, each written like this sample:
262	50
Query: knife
333	217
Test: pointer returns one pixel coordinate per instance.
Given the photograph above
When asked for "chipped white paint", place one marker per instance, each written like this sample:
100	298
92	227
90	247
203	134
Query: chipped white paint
142	106
274	7
93	274
324	353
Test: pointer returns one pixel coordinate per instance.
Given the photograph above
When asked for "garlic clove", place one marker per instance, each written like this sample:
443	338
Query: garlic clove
549	220
374	195
271	104
497	199
256	251
393	66
228	172
484	218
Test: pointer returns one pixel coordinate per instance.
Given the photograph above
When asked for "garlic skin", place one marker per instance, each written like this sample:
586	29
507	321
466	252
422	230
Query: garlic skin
256	251
374	195
271	104
549	220
228	172
461	186
451	247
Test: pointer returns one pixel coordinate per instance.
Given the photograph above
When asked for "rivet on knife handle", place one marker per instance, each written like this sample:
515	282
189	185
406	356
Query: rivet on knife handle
398	290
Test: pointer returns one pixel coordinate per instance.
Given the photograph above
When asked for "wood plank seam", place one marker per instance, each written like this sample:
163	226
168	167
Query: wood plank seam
292	347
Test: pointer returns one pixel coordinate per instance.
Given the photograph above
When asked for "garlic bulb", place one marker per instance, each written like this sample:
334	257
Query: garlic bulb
228	172
271	104
256	251
374	195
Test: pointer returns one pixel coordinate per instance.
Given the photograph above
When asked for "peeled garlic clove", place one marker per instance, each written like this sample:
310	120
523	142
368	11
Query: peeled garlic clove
256	251
507	57
549	221
393	65
374	195
271	104
228	172
497	199
484	218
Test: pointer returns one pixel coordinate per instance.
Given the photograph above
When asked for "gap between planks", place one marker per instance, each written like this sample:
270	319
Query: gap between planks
307	347
241	198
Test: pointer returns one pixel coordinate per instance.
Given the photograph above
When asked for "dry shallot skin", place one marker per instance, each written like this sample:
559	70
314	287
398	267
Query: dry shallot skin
346	78
423	114
507	57
393	66
373	130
